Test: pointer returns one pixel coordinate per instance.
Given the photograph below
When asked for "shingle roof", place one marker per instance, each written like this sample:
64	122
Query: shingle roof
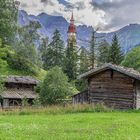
127	71
19	94
21	79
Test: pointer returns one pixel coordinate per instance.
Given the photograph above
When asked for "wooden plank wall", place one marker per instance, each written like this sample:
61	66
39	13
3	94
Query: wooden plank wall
113	89
81	97
137	94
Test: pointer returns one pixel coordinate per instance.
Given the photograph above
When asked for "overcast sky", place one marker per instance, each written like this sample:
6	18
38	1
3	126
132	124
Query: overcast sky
108	15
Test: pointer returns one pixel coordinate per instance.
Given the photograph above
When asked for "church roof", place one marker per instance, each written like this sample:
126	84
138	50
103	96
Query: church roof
72	18
72	27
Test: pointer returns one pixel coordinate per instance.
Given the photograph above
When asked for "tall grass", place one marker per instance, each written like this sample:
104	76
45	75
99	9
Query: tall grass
57	109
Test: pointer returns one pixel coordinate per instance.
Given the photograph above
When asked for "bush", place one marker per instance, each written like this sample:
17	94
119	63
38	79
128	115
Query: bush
5	53
132	59
25	102
55	87
36	102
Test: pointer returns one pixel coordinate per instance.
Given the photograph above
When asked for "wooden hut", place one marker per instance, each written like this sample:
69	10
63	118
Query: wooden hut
18	88
112	85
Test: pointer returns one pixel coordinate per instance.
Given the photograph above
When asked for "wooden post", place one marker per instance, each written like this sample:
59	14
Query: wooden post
5	103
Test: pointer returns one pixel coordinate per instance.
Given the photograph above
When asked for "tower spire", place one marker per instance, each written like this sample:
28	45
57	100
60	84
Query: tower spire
72	32
72	28
72	18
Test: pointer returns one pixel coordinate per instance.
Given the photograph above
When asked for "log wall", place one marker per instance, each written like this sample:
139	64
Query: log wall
113	89
81	97
137	94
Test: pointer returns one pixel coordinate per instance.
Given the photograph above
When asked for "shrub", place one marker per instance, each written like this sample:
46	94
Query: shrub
1	89
25	102
132	59
36	102
55	87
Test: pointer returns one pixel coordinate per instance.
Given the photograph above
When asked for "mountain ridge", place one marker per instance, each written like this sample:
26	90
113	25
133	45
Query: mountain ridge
129	36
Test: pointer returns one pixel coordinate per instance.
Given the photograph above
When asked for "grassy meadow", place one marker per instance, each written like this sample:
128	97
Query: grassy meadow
65	124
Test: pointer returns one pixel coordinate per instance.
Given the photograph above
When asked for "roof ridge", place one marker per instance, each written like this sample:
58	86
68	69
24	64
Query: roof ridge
21	79
128	71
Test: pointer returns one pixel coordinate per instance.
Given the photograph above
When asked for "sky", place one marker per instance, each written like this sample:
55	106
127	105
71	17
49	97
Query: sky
106	15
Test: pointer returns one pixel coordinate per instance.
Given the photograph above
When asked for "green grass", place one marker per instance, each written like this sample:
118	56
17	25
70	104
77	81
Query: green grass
73	126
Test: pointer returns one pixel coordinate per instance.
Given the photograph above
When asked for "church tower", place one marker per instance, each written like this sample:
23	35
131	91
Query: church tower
72	33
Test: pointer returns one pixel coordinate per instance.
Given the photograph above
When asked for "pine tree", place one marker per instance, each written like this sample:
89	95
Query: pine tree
43	49
115	53
43	46
103	52
55	52
83	60
26	44
28	34
48	58
71	62
92	50
83	66
8	20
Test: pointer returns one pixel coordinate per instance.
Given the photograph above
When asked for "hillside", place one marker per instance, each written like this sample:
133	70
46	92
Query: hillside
10	64
129	36
9	71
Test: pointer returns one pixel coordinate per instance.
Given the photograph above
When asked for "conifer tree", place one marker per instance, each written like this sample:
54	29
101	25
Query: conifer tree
28	34
115	53
43	46
83	66
43	49
26	42
103	52
92	50
55	52
71	62
83	60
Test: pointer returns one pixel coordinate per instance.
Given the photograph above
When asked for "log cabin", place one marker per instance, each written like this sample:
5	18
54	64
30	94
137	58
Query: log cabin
17	88
114	86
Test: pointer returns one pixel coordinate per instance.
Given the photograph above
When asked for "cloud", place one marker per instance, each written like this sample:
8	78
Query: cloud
48	2
118	13
108	15
37	6
82	10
